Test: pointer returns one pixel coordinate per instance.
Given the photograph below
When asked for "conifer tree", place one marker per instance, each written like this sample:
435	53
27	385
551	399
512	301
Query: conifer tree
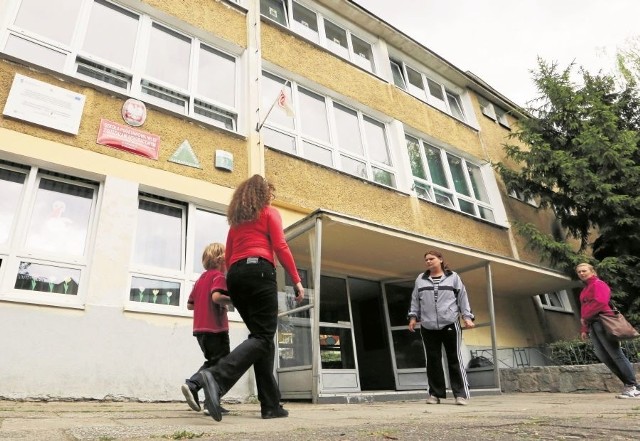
582	160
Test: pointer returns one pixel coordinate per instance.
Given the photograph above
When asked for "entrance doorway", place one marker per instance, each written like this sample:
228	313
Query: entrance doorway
375	367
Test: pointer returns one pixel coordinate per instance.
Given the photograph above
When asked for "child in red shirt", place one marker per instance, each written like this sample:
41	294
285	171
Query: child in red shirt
209	303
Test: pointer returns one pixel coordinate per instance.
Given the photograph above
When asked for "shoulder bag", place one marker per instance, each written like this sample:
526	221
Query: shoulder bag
617	326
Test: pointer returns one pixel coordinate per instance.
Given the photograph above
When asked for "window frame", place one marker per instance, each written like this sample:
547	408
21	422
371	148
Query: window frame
15	251
434	91
338	154
562	297
517	195
448	196
320	37
186	276
132	80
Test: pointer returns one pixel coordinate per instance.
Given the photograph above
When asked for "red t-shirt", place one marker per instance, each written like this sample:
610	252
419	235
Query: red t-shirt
261	238
208	316
594	299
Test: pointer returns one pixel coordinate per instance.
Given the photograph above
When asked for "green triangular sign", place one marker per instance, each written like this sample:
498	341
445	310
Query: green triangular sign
184	155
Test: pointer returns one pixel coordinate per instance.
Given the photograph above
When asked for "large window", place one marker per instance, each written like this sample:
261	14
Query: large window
167	254
448	179
46	231
319	29
428	89
327	132
152	62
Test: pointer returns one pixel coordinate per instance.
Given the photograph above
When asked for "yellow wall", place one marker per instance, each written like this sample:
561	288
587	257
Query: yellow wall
305	184
331	71
171	129
212	16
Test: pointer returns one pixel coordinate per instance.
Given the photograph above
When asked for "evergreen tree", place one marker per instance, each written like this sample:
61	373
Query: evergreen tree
581	159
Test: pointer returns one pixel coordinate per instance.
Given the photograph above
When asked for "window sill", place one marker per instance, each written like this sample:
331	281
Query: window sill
557	309
38	302
132	307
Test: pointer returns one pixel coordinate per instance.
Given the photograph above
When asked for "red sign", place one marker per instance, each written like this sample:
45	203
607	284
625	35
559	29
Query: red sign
127	138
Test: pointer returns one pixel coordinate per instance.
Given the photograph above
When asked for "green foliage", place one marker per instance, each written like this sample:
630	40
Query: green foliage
582	160
576	352
184	434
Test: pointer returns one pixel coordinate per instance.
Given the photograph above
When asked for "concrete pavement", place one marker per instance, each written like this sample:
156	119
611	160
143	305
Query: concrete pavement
498	417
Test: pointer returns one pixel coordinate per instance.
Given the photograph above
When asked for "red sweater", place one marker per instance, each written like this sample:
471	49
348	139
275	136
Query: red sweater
209	317
261	238
594	299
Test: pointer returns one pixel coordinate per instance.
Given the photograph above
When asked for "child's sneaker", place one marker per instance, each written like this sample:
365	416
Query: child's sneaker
629	392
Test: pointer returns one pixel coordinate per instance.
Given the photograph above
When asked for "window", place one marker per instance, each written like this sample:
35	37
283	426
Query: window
46	229
305	22
427	89
167	255
555	301
319	29
327	132
448	179
493	112
153	62
521	197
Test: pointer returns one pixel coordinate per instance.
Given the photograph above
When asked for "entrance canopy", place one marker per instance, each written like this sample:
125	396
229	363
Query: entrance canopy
377	252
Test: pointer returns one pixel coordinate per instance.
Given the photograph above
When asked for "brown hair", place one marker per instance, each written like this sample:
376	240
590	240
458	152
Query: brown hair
438	254
251	196
213	256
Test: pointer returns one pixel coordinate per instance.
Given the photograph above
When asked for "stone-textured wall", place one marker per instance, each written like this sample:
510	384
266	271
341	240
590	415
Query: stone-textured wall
582	378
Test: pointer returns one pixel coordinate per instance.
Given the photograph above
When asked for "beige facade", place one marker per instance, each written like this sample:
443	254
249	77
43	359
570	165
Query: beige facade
106	341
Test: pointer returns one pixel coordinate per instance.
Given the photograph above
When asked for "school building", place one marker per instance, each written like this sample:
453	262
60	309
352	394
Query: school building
126	126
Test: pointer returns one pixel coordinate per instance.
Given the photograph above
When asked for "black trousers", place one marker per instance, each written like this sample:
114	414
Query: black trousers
451	338
214	346
254	293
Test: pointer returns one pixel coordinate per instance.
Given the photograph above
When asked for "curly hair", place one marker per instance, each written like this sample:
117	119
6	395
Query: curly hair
213	256
251	196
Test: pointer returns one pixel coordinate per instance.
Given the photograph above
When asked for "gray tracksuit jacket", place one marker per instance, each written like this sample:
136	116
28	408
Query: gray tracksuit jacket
437	309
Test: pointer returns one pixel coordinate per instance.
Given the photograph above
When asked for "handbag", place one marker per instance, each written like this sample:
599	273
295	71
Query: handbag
617	326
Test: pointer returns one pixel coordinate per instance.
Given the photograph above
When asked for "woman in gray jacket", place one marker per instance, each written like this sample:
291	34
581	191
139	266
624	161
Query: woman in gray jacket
438	301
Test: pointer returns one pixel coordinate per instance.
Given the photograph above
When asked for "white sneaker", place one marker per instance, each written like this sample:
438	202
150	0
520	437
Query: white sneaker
629	392
433	400
461	401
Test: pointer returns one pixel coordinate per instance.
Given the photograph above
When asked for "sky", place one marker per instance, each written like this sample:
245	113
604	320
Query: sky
501	40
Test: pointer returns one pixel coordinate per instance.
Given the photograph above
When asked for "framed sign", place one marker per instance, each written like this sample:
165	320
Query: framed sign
44	104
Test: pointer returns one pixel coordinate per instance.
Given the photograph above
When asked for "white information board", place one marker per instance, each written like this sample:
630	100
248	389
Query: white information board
44	104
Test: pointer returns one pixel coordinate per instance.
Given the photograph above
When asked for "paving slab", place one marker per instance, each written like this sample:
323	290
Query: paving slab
537	416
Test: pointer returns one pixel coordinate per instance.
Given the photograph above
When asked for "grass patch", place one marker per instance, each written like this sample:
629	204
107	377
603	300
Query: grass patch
184	434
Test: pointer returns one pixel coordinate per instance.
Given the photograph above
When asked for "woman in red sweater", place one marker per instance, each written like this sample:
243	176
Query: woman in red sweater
594	300
254	238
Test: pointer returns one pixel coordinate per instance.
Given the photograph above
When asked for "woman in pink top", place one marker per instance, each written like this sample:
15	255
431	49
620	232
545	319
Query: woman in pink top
254	238
594	300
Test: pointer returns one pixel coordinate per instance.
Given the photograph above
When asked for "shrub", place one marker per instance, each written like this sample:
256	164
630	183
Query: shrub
572	352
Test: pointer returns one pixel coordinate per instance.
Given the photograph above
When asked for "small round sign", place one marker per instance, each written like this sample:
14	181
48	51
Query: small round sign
134	112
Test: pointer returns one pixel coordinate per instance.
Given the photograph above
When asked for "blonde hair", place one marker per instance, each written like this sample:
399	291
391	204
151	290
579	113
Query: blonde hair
588	265
213	256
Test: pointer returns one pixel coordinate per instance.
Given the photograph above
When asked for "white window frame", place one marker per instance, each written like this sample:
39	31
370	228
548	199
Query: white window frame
547	300
519	196
15	251
185	276
425	94
348	53
337	153
131	81
448	197
493	112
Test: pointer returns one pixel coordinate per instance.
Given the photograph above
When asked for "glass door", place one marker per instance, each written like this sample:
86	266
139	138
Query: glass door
407	351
